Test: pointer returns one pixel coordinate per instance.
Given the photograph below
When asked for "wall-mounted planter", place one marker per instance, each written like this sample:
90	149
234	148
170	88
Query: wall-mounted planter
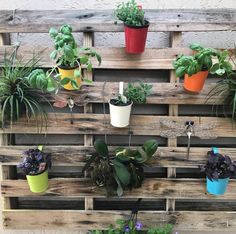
135	38
119	115
217	187
195	83
38	183
69	72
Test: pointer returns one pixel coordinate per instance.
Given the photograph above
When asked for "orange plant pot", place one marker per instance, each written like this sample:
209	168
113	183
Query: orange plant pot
195	83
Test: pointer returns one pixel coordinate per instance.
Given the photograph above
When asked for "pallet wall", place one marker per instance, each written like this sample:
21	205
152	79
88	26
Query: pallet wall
174	190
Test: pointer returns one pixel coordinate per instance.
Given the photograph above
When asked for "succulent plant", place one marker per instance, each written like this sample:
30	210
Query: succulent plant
35	162
122	170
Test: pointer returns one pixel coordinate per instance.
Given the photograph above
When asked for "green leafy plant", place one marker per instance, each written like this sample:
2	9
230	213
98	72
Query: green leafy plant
68	55
135	92
17	97
225	91
167	229
130	13
122	170
202	60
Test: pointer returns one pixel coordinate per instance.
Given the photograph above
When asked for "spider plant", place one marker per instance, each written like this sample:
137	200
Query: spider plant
225	91
17	98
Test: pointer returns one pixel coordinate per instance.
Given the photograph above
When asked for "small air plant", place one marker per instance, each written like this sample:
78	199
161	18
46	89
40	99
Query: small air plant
35	162
219	166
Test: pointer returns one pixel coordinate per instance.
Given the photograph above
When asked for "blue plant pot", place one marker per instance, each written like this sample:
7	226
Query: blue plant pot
217	187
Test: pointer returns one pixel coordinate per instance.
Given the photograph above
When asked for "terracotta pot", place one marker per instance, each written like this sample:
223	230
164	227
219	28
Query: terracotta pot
135	38
195	83
69	72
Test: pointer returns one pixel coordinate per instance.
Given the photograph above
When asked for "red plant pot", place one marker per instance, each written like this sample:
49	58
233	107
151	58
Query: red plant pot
135	38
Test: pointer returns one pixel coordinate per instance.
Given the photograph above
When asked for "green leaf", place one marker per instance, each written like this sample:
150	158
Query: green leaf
74	84
83	59
69	54
214	68
119	189
180	71
196	47
101	148
65	81
77	73
87	81
150	147
220	71
89	67
53	55
121	172
53	32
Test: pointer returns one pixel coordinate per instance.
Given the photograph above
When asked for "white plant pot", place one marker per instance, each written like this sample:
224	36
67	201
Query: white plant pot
120	115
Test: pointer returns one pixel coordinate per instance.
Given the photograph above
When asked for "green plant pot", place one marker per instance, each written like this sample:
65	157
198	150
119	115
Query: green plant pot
38	183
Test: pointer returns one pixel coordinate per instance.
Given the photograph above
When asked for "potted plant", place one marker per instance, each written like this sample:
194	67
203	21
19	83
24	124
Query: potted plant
35	165
219	168
70	58
136	27
122	170
195	68
120	107
17	97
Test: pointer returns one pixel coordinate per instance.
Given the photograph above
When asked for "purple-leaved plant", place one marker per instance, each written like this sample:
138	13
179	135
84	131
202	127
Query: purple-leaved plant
219	166
35	162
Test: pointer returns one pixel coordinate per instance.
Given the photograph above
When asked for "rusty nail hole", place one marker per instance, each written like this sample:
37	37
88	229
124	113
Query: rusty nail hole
179	15
177	26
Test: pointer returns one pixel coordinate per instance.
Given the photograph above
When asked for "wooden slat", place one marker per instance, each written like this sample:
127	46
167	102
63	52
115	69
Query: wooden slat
162	93
76	155
183	220
112	58
103	21
151	188
59	123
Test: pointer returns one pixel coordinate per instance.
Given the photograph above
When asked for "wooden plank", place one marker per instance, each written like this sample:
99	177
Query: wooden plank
182	220
162	93
175	41
88	139
112	58
159	188
77	155
141	125
103	20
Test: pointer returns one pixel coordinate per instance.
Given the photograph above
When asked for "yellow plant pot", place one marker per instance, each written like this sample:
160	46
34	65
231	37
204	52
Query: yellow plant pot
69	72
38	183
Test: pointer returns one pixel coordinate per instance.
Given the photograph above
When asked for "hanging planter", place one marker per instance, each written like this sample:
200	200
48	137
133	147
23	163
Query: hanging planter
135	26
70	72
218	170
195	68
195	83
69	58
217	187
135	38
120	107
38	183
35	165
120	113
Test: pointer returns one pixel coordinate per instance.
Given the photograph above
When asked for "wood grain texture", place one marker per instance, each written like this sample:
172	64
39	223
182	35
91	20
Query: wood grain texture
77	155
103	20
112	58
59	123
151	188
185	220
162	93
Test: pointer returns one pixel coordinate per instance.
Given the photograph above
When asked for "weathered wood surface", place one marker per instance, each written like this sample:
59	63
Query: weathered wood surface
183	220
103	21
162	93
77	155
112	58
151	188
60	123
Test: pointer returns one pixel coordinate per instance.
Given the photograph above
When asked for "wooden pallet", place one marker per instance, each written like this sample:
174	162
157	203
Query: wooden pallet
171	157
